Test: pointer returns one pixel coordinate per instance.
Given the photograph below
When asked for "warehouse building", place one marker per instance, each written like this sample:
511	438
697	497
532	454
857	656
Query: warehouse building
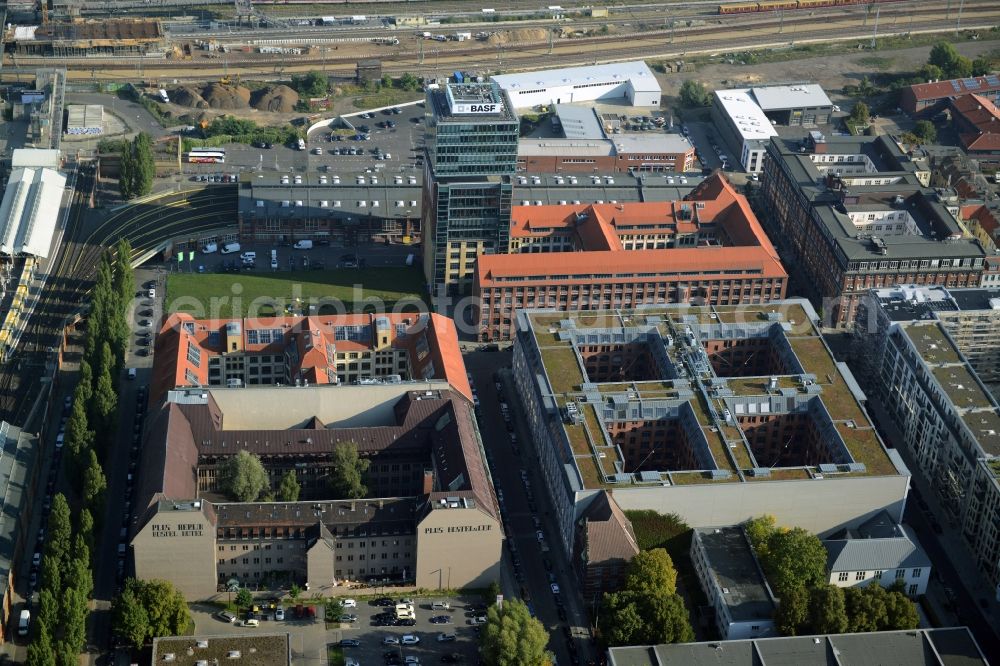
707	248
627	82
801	104
852	213
909	359
330	349
429	519
744	125
718	414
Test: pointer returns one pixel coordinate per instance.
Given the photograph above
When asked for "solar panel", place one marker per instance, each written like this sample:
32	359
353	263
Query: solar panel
993	80
971	84
956	86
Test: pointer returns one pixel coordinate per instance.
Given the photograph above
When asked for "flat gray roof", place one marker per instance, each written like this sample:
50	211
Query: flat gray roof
780	98
953	646
579	122
734	566
17	457
652	142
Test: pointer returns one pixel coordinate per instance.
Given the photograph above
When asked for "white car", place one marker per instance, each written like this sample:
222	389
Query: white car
390	640
279	613
251	623
555	588
410	639
152	292
349	603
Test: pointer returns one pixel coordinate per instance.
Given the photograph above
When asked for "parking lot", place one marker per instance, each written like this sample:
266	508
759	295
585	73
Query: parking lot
322	154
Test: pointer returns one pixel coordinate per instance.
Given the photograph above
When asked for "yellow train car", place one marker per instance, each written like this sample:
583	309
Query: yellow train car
775	5
739	8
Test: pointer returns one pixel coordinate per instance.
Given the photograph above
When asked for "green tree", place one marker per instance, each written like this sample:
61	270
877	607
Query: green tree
925	131
244	598
759	532
668	619
60	530
652	572
85	385
129	618
693	94
73	618
511	637
78	437
104	403
333	608
860	114
793	611
244	477
620	621
94	483
51	574
126	172
312	84
40	652
85	528
630	617
66	655
386	81
48	608
827	610
492	591
408	82
961	68
347	472
929	72
943	55
144	165
982	66
288	487
78	569
294	592
900	611
866	609
795	557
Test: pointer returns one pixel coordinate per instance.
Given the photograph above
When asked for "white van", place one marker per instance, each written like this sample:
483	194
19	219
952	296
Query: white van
23	622
210	248
131	373
229	248
440	605
303	245
248	257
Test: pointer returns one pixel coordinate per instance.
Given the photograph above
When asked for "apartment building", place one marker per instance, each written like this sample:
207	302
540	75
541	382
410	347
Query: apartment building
925	98
851	214
716	413
605	543
335	349
976	119
733	582
430	516
950	421
880	551
707	248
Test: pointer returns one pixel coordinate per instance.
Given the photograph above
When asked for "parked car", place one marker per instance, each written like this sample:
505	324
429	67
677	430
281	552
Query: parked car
226	617
410	639
349	642
349	603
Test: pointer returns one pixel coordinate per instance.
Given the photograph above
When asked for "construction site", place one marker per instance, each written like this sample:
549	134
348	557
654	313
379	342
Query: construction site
81	38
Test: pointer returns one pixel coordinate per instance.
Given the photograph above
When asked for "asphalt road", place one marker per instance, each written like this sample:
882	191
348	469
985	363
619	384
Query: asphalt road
506	467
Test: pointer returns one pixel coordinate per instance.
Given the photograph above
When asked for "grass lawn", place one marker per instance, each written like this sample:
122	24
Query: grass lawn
335	655
224	295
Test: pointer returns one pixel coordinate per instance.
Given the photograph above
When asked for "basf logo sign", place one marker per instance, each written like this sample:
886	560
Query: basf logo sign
476	108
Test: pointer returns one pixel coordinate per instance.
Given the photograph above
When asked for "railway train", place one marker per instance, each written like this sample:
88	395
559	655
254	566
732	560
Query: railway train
774	5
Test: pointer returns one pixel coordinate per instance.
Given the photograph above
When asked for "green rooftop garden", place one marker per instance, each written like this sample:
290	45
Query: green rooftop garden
562	368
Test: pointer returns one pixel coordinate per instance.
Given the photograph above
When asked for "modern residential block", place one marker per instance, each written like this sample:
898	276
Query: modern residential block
716	413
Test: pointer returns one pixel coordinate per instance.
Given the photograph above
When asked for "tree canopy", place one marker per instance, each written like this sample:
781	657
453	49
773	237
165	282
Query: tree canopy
790	558
860	114
149	608
288	487
347	472
952	64
511	637
693	94
652	572
311	84
244	477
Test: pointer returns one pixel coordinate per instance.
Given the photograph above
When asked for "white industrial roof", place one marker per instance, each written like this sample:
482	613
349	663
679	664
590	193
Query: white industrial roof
35	157
636	72
777	98
30	210
652	142
565	147
747	116
24	33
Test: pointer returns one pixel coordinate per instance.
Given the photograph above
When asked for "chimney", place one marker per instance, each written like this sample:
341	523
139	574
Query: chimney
428	487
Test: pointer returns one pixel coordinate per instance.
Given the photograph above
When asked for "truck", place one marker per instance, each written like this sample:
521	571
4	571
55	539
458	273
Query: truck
303	245
459	77
209	248
229	248
301	143
164	97
463	36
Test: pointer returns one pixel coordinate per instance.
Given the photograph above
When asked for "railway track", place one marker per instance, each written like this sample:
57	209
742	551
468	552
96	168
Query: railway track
664	43
175	214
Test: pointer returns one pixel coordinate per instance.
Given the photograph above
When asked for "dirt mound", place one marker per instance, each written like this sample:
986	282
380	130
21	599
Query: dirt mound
519	36
221	96
280	99
187	96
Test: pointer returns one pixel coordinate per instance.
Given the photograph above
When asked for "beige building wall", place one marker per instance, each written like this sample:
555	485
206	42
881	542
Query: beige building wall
178	545
458	548
319	565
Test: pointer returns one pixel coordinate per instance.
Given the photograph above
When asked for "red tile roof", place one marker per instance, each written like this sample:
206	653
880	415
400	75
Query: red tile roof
942	89
311	337
982	114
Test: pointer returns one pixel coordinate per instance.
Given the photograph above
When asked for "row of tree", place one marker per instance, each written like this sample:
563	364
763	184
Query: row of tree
244	479
60	626
794	562
512	637
137	167
647	609
149	608
945	62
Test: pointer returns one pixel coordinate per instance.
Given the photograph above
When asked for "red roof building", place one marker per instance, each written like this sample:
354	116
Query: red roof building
707	248
977	121
922	96
335	349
